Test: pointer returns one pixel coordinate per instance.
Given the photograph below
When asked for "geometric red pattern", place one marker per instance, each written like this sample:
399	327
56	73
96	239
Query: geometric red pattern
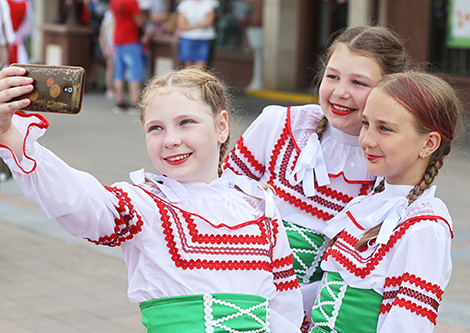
128	224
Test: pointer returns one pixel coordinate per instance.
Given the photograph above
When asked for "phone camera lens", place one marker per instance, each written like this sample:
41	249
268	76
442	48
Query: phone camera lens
67	89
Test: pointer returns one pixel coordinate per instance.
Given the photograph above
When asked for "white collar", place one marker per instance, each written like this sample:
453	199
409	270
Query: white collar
310	164
387	207
177	192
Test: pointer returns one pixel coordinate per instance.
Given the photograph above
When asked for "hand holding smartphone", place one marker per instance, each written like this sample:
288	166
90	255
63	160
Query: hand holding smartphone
57	89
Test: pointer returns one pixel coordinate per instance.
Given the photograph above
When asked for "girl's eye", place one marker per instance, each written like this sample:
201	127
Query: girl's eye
154	128
385	129
186	121
331	76
365	123
359	83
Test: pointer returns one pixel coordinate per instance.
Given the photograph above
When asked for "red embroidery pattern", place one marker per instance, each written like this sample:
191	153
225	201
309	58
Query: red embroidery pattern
420	297
124	230
285	141
245	169
413	307
284	274
413	279
175	233
289	260
294	195
232	239
347	243
283	286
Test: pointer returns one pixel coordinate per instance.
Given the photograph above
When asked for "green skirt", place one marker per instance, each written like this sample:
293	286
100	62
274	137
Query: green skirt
206	313
308	248
341	308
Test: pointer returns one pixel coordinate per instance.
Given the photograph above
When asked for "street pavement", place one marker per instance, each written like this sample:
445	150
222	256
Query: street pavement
51	281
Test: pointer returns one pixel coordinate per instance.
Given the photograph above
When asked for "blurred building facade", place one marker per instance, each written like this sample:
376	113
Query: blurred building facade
296	32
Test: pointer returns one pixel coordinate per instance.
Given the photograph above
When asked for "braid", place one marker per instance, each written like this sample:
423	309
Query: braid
321	127
223	151
431	172
379	188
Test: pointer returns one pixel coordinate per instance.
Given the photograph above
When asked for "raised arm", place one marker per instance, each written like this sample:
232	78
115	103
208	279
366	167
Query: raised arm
12	84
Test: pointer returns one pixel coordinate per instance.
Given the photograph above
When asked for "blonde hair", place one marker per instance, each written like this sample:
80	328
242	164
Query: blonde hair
198	85
435	107
377	43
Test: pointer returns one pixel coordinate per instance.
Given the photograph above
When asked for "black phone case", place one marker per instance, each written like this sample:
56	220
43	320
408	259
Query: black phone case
57	89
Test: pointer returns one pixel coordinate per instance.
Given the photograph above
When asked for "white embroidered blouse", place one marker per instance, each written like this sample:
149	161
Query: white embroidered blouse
176	238
410	261
281	148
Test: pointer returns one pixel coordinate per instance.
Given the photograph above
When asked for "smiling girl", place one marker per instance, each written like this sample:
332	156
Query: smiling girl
310	154
205	251
391	259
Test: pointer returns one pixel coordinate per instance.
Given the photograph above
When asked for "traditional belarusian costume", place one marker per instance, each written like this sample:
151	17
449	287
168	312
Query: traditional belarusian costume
313	179
201	257
395	282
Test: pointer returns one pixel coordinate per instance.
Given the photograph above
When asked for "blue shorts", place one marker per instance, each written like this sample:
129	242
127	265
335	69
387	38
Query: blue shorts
192	50
130	58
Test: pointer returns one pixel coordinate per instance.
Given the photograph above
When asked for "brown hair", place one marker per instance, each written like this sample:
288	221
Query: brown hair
377	43
198	85
435	107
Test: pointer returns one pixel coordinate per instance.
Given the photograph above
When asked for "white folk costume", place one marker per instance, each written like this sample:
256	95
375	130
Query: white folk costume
313	179
200	257
395	282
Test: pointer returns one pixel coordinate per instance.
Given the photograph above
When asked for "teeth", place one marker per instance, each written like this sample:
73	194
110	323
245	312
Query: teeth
340	108
177	158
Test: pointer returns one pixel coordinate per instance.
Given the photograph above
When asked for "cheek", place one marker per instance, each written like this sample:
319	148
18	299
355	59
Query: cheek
361	99
323	91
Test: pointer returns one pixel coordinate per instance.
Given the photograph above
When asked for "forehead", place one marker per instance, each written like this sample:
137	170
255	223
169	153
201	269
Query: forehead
346	60
381	105
176	101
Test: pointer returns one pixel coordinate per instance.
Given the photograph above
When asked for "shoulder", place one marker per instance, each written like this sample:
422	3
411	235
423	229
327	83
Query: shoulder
308	112
430	210
272	114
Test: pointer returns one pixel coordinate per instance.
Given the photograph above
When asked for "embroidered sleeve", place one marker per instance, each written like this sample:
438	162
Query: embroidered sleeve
127	224
251	153
419	271
75	199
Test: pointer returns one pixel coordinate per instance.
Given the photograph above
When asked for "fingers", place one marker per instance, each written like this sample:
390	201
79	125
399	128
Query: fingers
13	84
12	71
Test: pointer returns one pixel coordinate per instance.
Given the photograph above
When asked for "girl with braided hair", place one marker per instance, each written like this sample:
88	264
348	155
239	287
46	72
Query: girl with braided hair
310	154
391	257
205	251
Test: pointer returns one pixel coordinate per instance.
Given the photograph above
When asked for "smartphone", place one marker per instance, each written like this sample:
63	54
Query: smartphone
57	89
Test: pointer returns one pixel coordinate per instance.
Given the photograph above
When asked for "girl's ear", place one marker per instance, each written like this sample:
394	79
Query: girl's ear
433	141
222	126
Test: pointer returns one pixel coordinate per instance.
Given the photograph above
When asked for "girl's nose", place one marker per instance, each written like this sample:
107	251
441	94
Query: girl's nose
366	139
172	139
341	91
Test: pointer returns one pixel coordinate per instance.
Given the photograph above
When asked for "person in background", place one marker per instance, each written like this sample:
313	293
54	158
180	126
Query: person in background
391	258
106	42
21	17
196	30
129	60
7	34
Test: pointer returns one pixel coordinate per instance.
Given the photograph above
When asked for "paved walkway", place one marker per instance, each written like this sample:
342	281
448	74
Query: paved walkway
53	282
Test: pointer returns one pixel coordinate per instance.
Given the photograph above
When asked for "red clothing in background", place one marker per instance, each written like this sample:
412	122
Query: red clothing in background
126	31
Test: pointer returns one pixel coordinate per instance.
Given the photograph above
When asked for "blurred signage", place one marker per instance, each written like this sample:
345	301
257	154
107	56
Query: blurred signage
458	35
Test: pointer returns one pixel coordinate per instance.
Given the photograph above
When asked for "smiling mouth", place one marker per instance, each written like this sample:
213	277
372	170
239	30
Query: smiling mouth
341	110
177	158
372	158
